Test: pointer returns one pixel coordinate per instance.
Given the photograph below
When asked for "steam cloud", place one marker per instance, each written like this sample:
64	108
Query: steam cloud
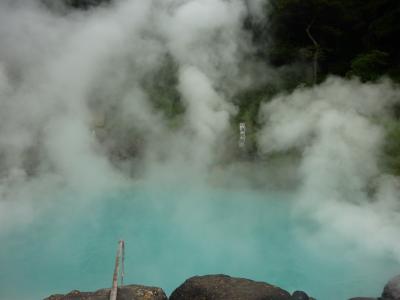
337	127
62	72
66	75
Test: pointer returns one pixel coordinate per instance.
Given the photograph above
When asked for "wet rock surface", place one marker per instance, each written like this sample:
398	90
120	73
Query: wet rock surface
391	290
216	287
299	295
128	292
222	287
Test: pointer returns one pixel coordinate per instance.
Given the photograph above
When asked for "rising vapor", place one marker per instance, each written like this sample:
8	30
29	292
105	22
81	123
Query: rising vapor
80	114
338	131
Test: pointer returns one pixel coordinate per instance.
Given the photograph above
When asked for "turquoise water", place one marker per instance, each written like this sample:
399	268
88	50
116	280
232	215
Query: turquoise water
172	234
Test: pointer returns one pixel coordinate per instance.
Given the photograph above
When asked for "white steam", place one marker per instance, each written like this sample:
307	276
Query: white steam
72	90
337	128
73	94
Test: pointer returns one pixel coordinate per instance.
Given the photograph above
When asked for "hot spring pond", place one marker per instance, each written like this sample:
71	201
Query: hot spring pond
172	234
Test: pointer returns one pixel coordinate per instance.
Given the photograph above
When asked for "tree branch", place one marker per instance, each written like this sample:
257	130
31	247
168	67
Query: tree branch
316	53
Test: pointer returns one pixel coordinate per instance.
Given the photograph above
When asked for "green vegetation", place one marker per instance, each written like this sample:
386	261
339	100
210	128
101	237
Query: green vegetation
248	102
307	41
370	66
161	86
391	157
332	37
354	37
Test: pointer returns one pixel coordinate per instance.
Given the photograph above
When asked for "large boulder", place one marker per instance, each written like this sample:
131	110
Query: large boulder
391	290
222	287
127	292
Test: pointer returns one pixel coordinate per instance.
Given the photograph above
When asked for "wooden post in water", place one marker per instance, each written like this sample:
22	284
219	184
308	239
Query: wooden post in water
123	263
120	252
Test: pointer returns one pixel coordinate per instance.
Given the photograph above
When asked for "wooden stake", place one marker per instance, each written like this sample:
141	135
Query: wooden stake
120	251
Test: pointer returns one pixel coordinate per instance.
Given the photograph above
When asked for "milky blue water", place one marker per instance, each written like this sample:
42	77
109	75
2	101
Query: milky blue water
174	233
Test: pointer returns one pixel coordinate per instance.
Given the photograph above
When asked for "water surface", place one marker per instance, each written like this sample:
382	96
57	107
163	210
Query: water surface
174	233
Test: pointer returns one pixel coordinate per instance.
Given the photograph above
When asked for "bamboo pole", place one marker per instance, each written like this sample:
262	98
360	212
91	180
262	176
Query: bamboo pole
120	251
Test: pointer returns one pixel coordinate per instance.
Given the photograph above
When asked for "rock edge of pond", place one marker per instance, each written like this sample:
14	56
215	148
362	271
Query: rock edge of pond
216	287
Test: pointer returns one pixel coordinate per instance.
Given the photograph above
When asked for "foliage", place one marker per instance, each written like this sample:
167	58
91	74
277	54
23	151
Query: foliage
358	36
354	37
248	102
161	86
391	156
370	66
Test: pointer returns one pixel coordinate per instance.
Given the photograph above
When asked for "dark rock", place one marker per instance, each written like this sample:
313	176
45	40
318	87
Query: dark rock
299	295
84	4
127	292
222	287
64	6
392	289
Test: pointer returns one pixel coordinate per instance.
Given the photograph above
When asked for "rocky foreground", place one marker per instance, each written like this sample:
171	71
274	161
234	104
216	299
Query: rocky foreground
127	292
216	287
